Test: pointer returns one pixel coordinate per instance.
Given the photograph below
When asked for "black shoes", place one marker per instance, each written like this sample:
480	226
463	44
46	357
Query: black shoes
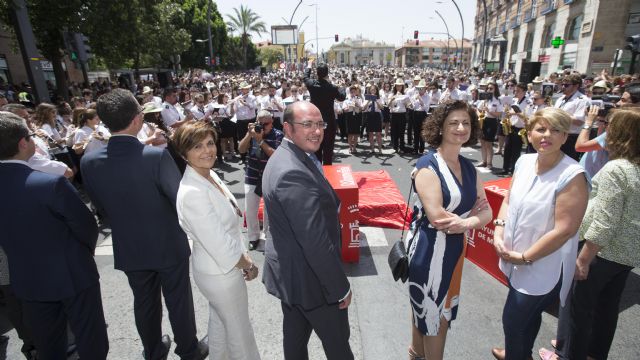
203	348
504	173
166	341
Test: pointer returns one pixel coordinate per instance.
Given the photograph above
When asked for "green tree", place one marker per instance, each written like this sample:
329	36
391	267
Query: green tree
245	22
233	54
195	21
269	56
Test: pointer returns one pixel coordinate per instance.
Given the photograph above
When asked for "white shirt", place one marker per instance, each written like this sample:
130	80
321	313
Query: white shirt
517	121
455	94
248	110
531	215
84	135
198	113
51	131
493	105
575	105
399	105
171	114
421	106
435	96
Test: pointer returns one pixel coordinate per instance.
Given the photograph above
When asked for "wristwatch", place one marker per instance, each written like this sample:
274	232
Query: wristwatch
260	143
498	222
586	127
526	261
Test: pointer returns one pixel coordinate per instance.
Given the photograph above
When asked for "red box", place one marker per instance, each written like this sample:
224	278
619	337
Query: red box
341	179
480	250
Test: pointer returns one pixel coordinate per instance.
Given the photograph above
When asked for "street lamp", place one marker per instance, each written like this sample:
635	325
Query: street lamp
317	48
461	22
209	31
449	35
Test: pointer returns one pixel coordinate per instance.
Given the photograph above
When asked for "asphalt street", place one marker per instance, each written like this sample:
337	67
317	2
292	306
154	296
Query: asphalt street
379	314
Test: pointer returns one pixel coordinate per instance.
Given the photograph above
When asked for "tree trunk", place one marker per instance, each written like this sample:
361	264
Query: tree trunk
244	51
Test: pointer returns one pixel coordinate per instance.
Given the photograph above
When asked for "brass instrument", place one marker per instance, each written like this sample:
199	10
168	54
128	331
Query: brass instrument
506	125
523	136
481	117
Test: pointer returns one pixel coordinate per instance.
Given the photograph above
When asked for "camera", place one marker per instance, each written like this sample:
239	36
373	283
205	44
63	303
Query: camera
485	95
258	128
605	102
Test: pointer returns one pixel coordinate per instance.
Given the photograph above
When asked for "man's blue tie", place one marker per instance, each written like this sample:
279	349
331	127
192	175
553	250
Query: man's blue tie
317	162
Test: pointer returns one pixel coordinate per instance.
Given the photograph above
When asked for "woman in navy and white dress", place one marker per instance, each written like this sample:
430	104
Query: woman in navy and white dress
451	200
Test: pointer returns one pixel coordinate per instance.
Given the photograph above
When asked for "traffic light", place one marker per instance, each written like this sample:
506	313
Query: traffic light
207	61
82	46
633	43
70	45
415	34
336	38
417	42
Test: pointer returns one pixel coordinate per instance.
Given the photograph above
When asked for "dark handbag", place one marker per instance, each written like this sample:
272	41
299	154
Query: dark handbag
398	259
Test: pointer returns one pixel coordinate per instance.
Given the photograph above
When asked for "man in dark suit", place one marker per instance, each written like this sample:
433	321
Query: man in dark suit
49	236
135	187
302	261
323	94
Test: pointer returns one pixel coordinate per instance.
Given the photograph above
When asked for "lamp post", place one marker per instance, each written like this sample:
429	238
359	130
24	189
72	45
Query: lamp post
209	33
461	22
449	35
317	48
484	36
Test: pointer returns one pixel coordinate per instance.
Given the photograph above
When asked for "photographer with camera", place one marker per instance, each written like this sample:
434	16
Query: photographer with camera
259	143
596	154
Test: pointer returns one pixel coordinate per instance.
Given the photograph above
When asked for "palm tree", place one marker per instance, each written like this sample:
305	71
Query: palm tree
245	22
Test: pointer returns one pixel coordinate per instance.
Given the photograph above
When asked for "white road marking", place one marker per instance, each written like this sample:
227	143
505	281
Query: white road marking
374	236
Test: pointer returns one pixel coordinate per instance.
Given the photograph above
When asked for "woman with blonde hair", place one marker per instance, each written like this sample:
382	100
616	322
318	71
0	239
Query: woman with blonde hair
536	231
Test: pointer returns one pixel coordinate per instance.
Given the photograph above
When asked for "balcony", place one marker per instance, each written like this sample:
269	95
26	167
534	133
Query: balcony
528	15
515	22
548	6
503	28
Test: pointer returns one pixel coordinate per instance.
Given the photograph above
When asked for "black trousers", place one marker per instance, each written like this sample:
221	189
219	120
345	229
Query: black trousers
83	312
512	149
330	324
569	147
242	126
410	126
342	126
587	322
175	285
398	125
325	152
418	119
11	308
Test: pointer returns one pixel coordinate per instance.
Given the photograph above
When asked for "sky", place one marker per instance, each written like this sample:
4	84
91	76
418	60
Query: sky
375	20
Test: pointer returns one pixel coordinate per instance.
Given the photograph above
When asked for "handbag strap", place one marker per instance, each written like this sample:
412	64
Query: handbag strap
406	210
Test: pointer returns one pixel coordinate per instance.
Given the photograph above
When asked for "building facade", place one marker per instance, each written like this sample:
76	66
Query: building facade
438	54
522	31
361	51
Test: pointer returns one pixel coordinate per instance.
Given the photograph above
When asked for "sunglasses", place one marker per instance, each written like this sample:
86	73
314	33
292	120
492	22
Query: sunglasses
567	85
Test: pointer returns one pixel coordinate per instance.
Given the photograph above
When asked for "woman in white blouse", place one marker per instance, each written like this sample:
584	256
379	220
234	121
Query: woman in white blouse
536	231
88	137
209	215
398	102
45	119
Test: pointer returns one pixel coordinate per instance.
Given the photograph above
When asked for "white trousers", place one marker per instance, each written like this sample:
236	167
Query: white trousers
251	206
230	332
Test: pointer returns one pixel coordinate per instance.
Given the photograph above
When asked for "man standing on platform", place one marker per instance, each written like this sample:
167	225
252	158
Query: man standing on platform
302	257
323	94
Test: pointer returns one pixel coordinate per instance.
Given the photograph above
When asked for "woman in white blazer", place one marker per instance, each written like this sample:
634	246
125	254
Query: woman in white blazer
209	215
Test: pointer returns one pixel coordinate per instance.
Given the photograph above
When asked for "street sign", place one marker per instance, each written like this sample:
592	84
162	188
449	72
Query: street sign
557	42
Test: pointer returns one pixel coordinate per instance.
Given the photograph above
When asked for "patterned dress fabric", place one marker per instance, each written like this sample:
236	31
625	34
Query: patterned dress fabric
436	258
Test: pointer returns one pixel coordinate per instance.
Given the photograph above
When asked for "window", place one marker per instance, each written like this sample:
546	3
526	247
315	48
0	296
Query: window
573	32
341	58
528	45
514	45
547	35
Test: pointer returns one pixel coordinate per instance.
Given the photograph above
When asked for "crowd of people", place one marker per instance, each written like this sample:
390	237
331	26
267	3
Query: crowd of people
576	187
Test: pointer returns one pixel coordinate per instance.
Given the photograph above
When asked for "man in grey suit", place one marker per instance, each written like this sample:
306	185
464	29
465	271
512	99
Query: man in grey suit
302	256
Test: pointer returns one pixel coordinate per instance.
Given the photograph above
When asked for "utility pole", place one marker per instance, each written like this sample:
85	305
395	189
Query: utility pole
209	34
30	54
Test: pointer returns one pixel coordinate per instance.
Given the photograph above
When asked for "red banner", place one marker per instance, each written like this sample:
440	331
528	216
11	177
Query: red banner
480	249
380	201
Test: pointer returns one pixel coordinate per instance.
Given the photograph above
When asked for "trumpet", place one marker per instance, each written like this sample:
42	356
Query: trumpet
481	117
523	136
